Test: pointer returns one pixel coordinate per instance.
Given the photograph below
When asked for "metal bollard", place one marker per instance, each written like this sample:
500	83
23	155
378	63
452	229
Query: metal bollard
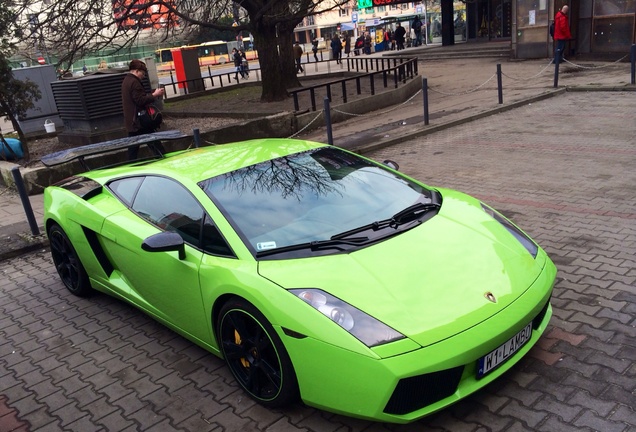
24	196
633	57
197	137
557	57
328	121
425	97
499	88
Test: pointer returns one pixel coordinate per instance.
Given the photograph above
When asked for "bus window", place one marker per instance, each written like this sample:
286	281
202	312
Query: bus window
163	55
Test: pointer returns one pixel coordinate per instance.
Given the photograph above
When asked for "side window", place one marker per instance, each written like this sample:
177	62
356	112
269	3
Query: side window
125	188
213	241
171	207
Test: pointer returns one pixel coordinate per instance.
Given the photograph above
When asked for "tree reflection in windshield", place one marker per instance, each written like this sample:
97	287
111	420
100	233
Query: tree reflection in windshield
307	196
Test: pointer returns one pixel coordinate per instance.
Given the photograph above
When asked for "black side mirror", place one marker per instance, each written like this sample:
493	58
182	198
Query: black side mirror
165	242
391	164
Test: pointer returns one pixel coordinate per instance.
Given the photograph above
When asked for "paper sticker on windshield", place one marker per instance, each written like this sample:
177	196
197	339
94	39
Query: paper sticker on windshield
265	245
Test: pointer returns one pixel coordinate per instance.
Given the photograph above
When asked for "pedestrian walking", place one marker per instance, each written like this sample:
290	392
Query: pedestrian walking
245	66
298	55
336	48
417	28
238	61
314	48
561	33
359	45
367	43
347	44
134	99
400	32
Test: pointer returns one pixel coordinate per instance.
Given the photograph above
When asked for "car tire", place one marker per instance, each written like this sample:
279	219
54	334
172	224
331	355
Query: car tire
67	263
256	355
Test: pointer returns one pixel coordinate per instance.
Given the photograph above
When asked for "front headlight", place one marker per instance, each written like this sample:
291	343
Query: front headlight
365	328
512	229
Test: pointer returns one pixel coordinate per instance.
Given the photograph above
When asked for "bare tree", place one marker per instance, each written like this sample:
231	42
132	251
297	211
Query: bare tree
73	29
16	96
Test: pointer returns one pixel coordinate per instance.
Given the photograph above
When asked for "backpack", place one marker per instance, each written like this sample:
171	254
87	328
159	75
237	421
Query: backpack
417	25
149	117
552	29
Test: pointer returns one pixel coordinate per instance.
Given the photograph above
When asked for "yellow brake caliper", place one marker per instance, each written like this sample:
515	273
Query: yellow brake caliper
237	340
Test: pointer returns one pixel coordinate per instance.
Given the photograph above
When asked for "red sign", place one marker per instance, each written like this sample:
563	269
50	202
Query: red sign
41	60
388	2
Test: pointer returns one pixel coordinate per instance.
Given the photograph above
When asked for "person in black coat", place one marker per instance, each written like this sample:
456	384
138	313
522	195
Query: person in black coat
399	36
238	64
336	48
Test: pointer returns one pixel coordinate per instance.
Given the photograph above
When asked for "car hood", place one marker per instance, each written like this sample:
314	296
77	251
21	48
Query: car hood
428	283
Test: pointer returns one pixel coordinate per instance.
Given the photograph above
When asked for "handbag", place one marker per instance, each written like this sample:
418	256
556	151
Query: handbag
149	117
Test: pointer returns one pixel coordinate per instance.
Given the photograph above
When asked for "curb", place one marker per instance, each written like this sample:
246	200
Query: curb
14	241
432	129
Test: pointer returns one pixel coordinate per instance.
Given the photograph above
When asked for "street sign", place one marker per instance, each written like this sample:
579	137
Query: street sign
354	17
41	60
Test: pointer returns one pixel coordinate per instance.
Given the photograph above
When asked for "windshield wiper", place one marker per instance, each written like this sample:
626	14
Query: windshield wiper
409	214
413	212
317	245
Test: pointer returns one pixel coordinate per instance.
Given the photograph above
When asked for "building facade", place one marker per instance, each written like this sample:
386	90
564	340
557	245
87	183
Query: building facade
600	28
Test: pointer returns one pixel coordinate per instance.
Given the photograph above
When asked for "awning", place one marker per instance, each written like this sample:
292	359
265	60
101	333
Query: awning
347	26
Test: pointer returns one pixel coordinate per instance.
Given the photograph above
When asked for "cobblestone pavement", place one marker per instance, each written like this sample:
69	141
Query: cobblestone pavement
564	169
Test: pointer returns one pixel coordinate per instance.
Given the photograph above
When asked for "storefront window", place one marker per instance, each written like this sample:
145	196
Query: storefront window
612	34
434	21
500	18
614	7
532	13
586	9
460	24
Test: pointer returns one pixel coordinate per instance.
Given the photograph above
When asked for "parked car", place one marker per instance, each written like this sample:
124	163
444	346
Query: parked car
319	275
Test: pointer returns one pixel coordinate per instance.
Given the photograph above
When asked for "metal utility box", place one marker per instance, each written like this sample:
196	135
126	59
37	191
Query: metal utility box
44	109
91	108
187	69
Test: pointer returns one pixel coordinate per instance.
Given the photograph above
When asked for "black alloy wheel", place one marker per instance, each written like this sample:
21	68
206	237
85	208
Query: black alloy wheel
67	263
255	355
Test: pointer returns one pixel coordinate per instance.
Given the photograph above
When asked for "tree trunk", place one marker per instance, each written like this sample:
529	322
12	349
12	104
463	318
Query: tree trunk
288	59
276	58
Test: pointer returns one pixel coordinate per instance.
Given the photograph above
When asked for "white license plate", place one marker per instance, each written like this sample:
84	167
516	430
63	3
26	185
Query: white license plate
498	356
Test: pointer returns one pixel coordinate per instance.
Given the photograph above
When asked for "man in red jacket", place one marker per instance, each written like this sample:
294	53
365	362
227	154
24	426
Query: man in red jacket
561	32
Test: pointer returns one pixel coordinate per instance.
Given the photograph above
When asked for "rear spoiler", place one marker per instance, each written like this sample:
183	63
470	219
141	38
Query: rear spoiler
80	153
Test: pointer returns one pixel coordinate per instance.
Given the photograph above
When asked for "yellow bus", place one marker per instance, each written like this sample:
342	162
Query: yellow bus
209	53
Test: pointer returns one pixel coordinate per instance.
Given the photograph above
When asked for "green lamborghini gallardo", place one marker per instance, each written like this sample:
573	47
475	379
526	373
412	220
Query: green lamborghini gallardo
318	275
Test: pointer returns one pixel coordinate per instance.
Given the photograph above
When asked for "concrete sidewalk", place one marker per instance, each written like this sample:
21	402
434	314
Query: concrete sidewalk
459	91
16	235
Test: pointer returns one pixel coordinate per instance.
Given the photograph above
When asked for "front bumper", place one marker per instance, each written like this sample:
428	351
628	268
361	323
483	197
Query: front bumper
406	387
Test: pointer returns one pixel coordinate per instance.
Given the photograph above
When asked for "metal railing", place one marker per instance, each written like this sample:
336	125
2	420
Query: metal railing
184	87
395	69
400	69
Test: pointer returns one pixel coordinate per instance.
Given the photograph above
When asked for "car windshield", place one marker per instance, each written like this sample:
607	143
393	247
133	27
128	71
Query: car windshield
325	197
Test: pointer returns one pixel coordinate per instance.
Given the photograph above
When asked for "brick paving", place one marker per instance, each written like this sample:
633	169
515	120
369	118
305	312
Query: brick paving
564	169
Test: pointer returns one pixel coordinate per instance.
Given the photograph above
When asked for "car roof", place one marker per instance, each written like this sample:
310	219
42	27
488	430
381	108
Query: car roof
202	163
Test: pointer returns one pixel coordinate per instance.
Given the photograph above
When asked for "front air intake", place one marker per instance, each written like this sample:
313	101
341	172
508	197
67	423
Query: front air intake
417	392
